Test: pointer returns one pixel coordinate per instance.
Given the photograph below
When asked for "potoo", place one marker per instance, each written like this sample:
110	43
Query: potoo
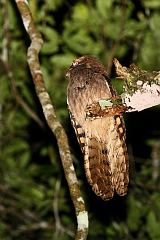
101	138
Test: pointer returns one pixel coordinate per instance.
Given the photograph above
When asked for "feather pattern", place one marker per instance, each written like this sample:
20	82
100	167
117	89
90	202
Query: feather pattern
102	140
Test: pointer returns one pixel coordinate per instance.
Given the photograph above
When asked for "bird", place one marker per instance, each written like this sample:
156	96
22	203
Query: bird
102	139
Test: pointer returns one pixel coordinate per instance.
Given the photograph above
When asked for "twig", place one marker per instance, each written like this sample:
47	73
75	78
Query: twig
5	62
19	99
155	159
54	124
58	225
5	31
23	229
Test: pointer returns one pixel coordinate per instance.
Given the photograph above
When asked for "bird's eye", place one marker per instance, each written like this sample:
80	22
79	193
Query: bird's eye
75	63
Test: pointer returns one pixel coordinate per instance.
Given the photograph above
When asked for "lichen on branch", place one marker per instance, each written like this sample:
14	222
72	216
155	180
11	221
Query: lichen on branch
141	88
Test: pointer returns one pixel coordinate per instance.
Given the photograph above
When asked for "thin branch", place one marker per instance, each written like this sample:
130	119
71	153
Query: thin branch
59	228
5	31
56	208
53	122
5	62
19	99
155	159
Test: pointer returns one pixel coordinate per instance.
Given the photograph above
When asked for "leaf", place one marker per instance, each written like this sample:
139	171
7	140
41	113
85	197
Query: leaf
149	55
103	7
80	12
153	228
151	4
51	42
134	214
63	60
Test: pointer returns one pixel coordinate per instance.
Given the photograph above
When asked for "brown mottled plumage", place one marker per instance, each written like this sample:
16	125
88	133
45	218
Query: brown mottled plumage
102	139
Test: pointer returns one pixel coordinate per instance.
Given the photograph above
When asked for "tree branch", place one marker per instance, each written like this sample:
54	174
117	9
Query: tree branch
141	88
54	124
5	62
141	91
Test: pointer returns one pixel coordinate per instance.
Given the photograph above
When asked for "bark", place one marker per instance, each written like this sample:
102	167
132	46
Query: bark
141	91
141	88
51	118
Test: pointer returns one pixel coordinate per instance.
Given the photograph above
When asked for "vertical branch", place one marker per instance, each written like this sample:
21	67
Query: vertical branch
155	160
5	32
54	124
5	62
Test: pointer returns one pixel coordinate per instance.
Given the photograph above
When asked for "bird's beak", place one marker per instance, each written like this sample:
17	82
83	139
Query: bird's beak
67	74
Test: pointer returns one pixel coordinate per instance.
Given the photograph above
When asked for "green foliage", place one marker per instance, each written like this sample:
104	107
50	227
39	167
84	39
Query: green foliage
135	213
150	54
153	226
34	198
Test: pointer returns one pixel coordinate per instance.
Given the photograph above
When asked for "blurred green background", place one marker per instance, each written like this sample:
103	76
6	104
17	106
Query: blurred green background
34	196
